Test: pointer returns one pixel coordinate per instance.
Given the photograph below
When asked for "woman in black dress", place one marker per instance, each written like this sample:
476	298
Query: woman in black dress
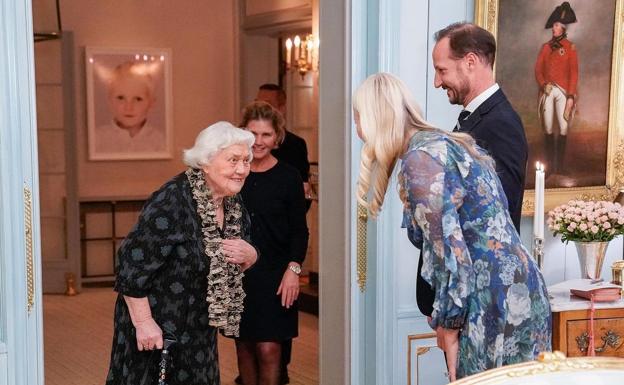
273	195
179	271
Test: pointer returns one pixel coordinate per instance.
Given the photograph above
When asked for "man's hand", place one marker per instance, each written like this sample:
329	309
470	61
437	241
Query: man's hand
567	112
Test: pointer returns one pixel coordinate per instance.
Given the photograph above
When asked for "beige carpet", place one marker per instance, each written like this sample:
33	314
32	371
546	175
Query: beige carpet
78	332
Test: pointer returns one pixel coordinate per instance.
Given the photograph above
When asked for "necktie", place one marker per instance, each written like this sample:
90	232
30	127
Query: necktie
462	116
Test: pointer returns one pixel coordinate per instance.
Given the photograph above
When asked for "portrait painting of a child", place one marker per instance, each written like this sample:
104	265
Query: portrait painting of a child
128	106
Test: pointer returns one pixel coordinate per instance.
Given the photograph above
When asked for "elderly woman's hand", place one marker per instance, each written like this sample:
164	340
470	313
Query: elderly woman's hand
148	335
239	252
289	288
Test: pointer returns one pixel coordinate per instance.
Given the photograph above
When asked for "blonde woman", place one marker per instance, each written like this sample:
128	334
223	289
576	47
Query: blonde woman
491	307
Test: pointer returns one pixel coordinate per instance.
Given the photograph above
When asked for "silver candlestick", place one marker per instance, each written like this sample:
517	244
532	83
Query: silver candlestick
538	251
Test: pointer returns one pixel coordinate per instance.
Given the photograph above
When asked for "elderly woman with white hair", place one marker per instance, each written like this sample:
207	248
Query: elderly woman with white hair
179	271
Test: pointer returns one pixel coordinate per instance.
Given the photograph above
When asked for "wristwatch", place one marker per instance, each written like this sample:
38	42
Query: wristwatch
295	269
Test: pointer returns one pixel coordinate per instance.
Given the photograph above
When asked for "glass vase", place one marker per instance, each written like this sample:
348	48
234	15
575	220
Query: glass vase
591	256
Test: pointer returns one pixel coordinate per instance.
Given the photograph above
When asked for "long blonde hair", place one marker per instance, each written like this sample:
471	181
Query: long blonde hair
387	112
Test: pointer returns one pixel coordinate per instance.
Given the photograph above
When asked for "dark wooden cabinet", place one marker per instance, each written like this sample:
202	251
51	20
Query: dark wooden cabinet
104	223
571	332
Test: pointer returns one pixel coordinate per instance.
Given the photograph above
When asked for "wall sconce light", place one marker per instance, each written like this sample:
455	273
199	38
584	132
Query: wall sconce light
304	57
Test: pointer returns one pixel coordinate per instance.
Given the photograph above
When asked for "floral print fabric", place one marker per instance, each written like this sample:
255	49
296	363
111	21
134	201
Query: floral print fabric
486	283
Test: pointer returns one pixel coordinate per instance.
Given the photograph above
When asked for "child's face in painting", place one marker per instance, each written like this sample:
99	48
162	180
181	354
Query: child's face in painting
130	99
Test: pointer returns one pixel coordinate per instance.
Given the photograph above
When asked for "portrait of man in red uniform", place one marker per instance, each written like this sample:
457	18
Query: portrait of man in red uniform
554	61
556	72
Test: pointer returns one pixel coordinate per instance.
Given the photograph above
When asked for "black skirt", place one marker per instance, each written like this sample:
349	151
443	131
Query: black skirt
264	318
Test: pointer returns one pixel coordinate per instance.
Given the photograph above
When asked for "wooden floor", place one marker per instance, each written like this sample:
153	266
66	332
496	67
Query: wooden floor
78	332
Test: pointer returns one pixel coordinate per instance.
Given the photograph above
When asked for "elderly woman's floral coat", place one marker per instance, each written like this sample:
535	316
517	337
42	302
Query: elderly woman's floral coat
486	283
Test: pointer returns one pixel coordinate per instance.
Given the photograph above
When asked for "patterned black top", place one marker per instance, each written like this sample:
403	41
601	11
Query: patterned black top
163	258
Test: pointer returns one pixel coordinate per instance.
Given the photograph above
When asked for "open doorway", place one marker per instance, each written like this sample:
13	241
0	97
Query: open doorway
88	206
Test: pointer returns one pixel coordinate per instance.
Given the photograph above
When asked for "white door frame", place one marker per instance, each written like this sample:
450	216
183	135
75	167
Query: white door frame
334	192
21	342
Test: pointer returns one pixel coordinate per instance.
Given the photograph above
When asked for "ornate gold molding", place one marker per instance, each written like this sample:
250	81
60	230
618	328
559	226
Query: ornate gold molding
420	350
486	15
546	364
28	238
362	254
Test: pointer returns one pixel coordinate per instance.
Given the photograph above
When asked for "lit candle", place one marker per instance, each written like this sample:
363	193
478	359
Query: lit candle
315	59
288	51
542	199
536	201
297	44
310	45
538	218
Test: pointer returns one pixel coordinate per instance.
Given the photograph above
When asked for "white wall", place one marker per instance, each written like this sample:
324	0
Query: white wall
255	7
201	37
4	370
259	64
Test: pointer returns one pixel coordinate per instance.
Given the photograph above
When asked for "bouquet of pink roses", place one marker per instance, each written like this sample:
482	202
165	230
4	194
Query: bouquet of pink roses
587	221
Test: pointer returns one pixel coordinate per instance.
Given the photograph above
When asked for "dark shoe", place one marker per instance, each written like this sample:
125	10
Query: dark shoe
238	380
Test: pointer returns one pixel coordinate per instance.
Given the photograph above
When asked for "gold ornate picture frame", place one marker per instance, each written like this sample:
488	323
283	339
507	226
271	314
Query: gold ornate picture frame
488	15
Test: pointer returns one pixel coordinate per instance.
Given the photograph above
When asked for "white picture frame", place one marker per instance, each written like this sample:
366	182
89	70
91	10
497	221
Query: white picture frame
129	103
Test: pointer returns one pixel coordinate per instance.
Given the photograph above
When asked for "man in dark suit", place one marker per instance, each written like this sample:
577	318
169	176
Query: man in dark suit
293	150
463	58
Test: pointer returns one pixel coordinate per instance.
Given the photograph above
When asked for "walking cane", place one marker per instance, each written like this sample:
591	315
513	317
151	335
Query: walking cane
164	360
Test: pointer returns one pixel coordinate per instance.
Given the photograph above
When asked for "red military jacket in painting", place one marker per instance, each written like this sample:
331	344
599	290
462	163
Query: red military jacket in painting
558	65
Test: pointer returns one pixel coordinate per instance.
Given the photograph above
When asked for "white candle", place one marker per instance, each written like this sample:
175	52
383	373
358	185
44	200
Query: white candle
536	201
288	51
315	51
297	45
542	200
310	45
538	219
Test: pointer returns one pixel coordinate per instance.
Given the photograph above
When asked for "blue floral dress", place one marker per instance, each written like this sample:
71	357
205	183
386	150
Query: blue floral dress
485	281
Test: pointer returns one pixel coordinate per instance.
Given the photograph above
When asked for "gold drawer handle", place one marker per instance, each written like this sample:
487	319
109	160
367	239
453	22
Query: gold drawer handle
610	338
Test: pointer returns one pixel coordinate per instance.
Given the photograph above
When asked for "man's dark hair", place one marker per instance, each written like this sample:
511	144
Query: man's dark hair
467	37
281	94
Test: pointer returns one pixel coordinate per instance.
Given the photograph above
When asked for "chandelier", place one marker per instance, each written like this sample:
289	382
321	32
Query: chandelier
302	55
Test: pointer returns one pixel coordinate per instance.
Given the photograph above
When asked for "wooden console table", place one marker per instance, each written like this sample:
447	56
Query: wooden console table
571	324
